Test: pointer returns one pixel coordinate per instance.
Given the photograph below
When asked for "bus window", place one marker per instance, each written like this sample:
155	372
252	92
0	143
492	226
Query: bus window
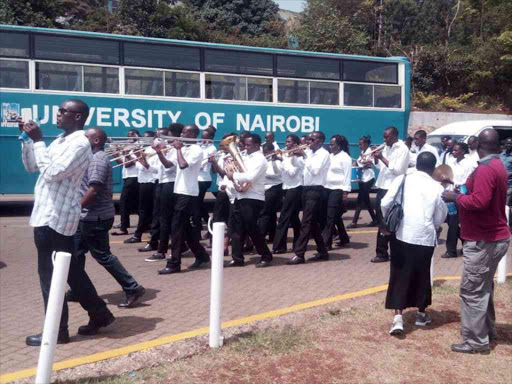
226	87
101	79
324	93
312	67
161	56
293	91
259	89
358	95
179	84
388	96
243	62
373	72
143	82
13	74
14	44
59	77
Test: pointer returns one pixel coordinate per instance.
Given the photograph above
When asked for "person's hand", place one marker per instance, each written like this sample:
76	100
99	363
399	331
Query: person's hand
299	152
212	160
367	164
377	155
33	131
449	196
229	174
177	144
19	120
222	187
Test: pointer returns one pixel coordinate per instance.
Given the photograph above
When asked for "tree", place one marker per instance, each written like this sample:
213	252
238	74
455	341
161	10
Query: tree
36	13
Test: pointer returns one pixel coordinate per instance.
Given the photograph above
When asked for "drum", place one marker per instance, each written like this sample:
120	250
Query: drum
357	174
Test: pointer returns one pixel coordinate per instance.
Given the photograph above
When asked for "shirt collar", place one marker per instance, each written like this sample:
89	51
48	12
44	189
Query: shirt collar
78	132
488	157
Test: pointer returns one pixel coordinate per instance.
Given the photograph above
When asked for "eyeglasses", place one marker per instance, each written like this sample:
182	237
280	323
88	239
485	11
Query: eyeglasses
64	110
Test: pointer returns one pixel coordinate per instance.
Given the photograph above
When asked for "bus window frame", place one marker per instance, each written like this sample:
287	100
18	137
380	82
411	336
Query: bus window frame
340	94
203	85
248	74
397	64
372	108
29	76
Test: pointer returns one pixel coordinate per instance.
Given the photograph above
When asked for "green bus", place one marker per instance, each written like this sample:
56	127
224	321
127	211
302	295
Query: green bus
146	83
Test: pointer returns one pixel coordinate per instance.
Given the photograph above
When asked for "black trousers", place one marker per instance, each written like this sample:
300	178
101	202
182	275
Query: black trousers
334	199
92	236
268	215
382	240
181	230
245	223
47	241
221	208
146	191
129	200
453	234
292	203
363	200
201	211
166	210
155	219
310	224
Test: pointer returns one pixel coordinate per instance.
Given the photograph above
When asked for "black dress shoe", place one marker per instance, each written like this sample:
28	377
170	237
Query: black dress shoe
448	255
149	247
234	263
131	299
468	348
156	257
35	340
198	264
132	240
70	297
121	232
95	324
248	248
320	257
378	259
279	251
169	271
263	264
296	260
373	223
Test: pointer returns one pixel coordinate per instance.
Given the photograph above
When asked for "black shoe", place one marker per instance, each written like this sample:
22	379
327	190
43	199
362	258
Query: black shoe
132	298
296	260
94	325
155	257
198	264
320	257
35	340
468	348
248	248
149	247
263	264
234	263
279	251
169	271
379	259
448	255
117	226
374	224
132	240
70	296
121	232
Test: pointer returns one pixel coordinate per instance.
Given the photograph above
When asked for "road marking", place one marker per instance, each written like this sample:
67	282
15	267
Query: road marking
369	231
5	378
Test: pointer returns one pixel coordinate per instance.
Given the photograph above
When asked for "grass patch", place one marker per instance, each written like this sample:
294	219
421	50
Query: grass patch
270	341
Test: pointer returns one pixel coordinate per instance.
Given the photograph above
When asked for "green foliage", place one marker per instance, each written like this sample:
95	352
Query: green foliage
36	13
435	102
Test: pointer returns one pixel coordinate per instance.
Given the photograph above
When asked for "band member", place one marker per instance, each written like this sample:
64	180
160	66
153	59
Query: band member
97	218
292	170
365	185
392	162
315	174
57	209
273	194
420	146
270	139
130	193
338	183
248	204
205	177
146	179
186	189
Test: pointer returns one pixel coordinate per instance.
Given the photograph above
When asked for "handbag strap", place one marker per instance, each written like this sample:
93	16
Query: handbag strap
400	189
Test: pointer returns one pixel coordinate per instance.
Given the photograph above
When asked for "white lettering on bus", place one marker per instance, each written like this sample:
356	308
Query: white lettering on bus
278	122
160	115
55	111
304	124
207	118
138	115
174	116
103	113
289	126
121	115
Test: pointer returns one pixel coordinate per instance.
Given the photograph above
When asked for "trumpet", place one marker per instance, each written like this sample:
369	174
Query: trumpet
165	149
287	152
368	156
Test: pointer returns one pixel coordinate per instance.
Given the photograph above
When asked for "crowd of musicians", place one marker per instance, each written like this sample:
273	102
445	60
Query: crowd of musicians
167	173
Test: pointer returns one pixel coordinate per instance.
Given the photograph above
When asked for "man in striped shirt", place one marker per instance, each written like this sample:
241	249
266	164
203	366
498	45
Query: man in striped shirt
57	210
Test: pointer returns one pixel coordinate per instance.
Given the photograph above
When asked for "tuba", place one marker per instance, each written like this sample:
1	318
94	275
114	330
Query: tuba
235	163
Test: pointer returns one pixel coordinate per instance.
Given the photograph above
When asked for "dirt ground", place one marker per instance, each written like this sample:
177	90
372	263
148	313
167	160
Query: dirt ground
345	342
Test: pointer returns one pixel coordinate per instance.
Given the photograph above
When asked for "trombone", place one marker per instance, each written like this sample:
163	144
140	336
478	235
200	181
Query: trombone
287	152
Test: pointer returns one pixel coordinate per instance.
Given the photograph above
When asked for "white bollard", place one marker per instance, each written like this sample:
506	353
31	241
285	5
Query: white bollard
502	266
216	338
61	263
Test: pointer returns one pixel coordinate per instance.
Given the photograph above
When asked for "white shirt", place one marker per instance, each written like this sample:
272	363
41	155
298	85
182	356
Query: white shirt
187	179
462	169
131	171
398	158
339	175
414	152
424	210
147	175
292	171
273	174
57	192
256	166
208	150
368	173
164	175
316	167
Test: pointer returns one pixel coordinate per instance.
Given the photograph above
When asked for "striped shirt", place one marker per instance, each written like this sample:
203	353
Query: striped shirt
61	166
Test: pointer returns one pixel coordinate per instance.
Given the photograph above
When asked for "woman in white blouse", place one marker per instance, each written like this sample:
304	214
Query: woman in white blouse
366	183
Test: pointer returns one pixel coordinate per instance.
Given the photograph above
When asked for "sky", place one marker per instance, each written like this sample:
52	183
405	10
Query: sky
291	5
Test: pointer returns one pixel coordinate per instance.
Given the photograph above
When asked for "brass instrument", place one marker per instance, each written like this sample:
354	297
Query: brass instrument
368	156
235	163
287	152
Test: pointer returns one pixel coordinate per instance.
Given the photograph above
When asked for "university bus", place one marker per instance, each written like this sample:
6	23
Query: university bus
146	83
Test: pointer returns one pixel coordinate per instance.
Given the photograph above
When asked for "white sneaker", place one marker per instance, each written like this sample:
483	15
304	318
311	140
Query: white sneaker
398	326
422	319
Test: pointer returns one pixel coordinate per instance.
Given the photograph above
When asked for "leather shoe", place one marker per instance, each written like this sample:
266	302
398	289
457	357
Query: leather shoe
132	240
263	264
248	248
279	251
374	224
234	263
468	348
35	340
448	256
121	232
320	257
149	247
378	259
296	260
94	325
131	299
198	264
70	297
169	271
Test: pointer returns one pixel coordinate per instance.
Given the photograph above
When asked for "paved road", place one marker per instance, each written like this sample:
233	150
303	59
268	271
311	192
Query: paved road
175	303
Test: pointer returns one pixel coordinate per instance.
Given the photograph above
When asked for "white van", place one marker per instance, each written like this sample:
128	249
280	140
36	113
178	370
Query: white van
462	130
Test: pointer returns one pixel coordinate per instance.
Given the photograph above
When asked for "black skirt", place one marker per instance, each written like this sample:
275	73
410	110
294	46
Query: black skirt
409	280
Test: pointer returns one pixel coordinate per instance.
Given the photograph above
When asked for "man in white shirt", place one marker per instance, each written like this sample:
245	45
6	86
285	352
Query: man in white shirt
392	162
270	139
413	246
186	189
273	193
249	202
315	174
57	209
420	146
